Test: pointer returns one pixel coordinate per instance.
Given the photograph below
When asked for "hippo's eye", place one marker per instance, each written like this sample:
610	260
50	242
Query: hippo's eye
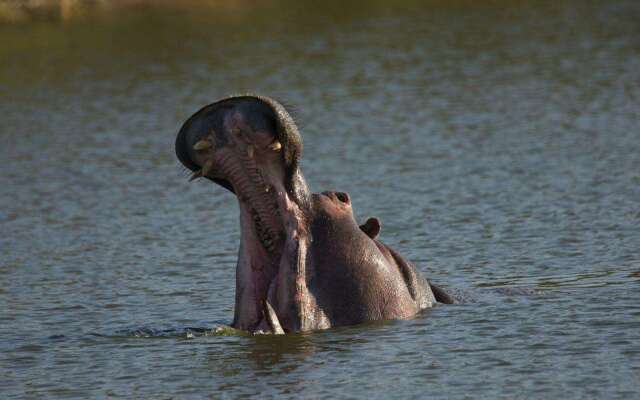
343	197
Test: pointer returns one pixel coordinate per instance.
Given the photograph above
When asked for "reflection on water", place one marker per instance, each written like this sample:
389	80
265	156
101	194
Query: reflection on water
497	141
582	280
268	351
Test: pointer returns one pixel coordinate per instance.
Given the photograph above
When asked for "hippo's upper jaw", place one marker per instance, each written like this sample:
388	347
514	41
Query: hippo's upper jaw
250	146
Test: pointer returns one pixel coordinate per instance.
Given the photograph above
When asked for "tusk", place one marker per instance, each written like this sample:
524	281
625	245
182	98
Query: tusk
272	319
196	174
202	145
250	150
275	146
207	167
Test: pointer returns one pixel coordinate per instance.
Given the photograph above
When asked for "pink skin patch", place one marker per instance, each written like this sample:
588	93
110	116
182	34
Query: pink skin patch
235	123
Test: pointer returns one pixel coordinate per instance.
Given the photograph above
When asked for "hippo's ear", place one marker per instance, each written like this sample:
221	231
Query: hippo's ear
371	227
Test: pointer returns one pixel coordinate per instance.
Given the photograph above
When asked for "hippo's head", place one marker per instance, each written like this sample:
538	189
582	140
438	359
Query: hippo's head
251	146
303	263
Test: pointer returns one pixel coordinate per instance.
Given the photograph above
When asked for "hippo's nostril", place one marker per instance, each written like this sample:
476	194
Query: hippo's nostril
343	197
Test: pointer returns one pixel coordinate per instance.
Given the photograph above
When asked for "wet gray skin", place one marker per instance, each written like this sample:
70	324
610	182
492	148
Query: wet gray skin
304	263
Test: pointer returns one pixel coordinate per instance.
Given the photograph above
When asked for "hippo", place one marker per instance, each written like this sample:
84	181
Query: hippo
304	263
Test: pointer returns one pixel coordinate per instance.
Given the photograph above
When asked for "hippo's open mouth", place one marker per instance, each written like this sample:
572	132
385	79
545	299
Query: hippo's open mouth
243	148
304	262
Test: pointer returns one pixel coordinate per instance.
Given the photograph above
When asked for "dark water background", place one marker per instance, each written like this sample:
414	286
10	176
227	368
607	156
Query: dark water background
498	142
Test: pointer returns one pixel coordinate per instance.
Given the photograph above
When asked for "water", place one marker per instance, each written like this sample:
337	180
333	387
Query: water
498	143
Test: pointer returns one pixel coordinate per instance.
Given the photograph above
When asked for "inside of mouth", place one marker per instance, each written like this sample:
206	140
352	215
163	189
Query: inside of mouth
265	222
258	197
259	187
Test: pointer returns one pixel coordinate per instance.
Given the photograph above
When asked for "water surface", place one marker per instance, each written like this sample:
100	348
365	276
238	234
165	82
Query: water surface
499	144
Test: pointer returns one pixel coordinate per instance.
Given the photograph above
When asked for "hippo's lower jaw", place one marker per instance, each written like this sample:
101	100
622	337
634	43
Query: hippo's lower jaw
270	240
304	263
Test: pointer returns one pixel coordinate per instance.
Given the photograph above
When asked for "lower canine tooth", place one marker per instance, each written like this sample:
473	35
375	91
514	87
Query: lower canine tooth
196	174
250	151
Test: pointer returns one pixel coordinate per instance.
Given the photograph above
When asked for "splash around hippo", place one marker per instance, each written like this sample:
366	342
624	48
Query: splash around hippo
304	263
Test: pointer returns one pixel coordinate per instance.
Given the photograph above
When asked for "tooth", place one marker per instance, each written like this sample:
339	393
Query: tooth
275	146
206	168
196	174
267	188
202	145
272	318
250	150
